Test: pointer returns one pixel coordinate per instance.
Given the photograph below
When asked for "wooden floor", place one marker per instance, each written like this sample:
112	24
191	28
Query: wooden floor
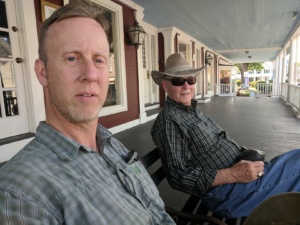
263	123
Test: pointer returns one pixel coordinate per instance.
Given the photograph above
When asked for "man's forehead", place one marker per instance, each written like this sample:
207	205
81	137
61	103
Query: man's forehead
173	77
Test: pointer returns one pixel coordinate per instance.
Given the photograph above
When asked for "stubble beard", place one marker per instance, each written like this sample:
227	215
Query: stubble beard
69	110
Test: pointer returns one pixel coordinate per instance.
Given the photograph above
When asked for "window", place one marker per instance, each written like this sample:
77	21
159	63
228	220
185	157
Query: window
116	100
183	48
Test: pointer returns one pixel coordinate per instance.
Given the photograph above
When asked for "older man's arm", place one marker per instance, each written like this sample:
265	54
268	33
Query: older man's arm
242	172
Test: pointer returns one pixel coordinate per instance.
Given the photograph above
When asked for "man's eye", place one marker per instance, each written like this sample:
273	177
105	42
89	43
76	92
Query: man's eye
99	61
71	58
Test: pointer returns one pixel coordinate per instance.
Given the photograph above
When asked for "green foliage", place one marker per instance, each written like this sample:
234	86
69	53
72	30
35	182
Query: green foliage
250	66
238	82
237	66
252	83
255	66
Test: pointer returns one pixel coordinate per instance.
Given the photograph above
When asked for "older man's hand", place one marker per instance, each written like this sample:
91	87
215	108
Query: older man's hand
242	172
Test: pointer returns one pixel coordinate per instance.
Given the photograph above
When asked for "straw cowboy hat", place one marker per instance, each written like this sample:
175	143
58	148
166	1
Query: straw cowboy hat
176	66
281	209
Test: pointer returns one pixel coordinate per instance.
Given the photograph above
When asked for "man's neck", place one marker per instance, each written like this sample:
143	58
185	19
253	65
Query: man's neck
83	133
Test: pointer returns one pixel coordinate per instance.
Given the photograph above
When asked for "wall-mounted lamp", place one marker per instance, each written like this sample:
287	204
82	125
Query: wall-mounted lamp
249	56
208	59
246	52
294	15
136	34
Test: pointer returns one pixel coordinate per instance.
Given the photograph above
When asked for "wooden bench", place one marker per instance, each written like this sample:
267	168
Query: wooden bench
193	211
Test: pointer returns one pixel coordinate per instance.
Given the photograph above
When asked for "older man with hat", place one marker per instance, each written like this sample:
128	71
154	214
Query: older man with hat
200	158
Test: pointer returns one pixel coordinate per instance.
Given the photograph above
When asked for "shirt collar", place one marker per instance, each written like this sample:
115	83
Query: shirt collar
66	148
181	106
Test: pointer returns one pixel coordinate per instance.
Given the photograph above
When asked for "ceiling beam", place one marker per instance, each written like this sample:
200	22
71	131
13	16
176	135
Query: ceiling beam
248	49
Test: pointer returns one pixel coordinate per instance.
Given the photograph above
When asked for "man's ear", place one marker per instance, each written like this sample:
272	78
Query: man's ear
164	84
40	71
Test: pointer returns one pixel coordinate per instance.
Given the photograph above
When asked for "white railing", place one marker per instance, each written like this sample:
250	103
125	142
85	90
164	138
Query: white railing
225	89
294	97
270	89
284	90
290	93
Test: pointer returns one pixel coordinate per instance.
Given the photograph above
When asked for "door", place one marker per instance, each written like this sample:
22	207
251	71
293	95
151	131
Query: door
225	82
146	72
225	85
13	112
149	64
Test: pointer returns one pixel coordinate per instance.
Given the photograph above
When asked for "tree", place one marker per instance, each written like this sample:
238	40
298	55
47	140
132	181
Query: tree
244	67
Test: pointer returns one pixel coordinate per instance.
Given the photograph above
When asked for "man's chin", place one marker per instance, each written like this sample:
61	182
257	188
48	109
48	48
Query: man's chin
82	117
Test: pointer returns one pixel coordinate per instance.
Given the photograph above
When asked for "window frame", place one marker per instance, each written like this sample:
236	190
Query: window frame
119	57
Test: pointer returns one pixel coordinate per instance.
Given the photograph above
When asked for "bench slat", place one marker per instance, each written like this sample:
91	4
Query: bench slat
150	158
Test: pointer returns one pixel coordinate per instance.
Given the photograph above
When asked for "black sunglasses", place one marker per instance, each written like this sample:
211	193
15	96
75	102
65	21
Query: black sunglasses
180	81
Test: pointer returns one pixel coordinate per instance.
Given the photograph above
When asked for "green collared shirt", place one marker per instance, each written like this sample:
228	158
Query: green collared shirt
55	180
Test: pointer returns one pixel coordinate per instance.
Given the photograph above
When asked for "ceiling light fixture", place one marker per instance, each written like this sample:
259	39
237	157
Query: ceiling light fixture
208	60
246	52
249	56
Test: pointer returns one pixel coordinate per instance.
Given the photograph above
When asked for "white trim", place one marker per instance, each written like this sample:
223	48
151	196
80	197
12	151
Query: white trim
124	126
134	6
130	124
29	47
152	117
150	30
9	150
156	106
119	58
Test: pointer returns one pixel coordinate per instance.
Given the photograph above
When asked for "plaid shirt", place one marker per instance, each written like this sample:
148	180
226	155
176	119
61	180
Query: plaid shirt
192	147
55	180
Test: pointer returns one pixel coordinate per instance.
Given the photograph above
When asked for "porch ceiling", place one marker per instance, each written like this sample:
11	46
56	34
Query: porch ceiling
230	27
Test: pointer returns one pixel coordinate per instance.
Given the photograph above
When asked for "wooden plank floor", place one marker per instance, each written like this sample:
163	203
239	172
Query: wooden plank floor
263	123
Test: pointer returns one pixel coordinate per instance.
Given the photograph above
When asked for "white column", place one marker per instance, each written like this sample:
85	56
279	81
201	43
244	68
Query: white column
291	68
283	76
292	61
169	36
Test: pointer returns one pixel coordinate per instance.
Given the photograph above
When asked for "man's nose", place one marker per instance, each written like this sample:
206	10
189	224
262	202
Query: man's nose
185	85
89	71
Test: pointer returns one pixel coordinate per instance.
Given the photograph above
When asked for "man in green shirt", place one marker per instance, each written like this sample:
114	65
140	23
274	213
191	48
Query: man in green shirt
74	172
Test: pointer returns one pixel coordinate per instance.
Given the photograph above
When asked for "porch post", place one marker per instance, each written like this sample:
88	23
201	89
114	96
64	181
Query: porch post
291	68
